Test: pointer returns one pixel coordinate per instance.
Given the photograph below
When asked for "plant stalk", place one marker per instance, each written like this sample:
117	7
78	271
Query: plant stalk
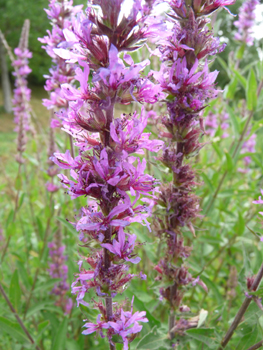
17	317
241	311
256	346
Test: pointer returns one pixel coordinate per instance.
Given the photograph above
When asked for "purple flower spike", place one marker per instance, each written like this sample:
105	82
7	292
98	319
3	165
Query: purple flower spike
58	269
22	94
246	22
184	51
107	168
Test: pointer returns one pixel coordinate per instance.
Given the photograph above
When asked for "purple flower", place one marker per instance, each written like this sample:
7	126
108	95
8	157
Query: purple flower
123	248
246	22
94	327
58	269
128	325
51	187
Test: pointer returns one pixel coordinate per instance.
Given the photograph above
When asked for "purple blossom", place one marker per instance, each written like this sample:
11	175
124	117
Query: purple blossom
246	22
58	269
22	93
60	14
123	248
248	147
128	325
107	168
184	51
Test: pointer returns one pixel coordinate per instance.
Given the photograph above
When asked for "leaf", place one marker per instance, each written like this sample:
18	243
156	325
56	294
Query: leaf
23	275
41	328
207	181
9	218
240	224
42	305
218	150
43	286
141	306
18	183
213	287
21	200
240	52
88	313
231	88
15	291
73	345
13	329
67	225
248	339
234	120
228	165
251	91
241	79
61	336
224	65
204	335
152	340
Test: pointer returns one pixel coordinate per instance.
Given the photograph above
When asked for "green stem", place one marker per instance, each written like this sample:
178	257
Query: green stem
40	258
241	311
17	317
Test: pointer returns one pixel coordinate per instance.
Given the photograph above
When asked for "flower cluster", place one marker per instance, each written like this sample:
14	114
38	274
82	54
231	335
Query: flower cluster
185	77
58	269
22	93
246	22
106	168
60	13
213	121
248	147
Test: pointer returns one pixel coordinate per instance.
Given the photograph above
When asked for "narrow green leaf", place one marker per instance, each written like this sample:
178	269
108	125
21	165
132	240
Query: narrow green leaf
151	341
204	335
139	305
11	229
43	286
251	91
240	52
40	227
67	225
229	162
231	88
15	291
239	227
18	183
9	218
241	79
21	200
218	150
41	328
13	329
212	287
234	120
224	65
61	336
23	275
207	181
248	339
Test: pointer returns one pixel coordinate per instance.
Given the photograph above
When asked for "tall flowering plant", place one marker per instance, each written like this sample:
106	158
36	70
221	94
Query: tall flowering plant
185	77
60	13
245	22
22	93
107	169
